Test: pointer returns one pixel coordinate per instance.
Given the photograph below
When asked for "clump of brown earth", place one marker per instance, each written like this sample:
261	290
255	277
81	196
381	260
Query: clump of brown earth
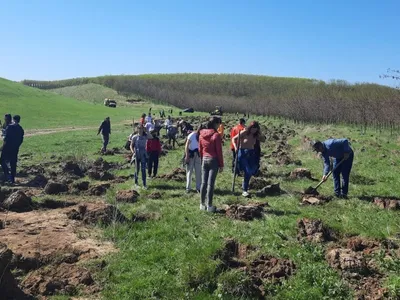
352	257
258	183
262	269
18	202
47	248
9	288
97	214
313	230
315	199
384	203
300	173
127	196
98	189
178	174
269	190
246	212
155	195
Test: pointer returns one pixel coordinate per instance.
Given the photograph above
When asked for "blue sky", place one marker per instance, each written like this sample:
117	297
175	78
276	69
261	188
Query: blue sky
56	39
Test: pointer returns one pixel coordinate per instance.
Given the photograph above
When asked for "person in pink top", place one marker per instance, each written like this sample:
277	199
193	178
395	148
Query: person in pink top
210	149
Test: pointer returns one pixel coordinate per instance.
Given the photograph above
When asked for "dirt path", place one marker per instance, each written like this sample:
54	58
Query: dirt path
35	132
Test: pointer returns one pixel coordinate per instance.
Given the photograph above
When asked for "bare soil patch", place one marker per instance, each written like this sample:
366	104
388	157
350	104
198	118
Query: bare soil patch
130	196
385	203
262	269
313	230
47	246
247	212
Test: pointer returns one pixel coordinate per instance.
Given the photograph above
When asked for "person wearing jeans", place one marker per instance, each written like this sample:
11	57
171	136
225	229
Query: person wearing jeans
210	149
105	129
235	130
244	143
340	150
138	148
193	161
13	138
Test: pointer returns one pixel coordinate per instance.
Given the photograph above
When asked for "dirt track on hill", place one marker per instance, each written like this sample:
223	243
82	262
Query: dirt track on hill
35	132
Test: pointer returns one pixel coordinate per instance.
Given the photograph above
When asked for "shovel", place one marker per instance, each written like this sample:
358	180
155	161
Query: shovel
313	191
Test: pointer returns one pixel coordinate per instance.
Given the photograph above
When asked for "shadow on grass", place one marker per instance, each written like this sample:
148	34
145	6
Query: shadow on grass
166	187
361	180
372	198
280	213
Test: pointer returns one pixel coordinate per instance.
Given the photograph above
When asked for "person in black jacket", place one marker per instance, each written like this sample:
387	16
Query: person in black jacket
13	138
105	129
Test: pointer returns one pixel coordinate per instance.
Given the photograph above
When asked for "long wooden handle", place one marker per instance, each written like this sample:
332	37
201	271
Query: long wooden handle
329	174
236	162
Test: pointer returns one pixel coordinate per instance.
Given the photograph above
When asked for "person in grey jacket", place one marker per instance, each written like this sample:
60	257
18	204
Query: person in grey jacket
139	154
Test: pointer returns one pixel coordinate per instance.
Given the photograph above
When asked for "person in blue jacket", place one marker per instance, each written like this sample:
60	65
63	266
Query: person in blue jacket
339	149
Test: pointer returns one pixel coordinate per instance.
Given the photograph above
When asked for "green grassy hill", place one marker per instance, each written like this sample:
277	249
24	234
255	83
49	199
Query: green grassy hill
306	100
43	109
91	92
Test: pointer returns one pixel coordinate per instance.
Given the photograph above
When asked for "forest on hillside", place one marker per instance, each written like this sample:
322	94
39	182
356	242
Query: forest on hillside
304	100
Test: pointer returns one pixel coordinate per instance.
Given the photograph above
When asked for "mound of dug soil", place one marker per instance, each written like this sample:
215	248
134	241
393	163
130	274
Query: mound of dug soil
73	168
269	190
247	212
98	213
313	230
387	203
263	269
39	181
314	199
300	173
18	202
155	195
46	246
127	196
358	268
258	183
55	188
177	174
8	286
98	190
64	278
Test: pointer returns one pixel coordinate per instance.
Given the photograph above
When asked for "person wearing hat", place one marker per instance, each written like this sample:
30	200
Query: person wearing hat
105	129
139	154
340	150
13	138
234	131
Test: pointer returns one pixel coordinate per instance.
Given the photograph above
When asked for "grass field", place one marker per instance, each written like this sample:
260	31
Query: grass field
91	92
40	109
170	256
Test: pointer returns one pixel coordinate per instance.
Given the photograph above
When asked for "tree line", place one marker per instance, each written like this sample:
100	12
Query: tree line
304	100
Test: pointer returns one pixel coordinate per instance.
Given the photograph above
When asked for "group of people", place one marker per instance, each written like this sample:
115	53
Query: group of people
203	154
13	137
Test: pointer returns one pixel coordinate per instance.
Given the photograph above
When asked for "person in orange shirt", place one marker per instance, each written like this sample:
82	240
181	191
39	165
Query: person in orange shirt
235	131
142	120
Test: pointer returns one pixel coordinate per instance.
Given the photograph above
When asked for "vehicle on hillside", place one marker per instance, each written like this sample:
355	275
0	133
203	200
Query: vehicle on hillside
217	111
110	103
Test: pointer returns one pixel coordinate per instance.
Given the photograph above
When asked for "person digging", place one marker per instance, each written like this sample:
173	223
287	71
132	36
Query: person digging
343	157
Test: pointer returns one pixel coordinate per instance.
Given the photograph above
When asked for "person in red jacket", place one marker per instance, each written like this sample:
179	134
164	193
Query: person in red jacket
235	131
210	148
153	149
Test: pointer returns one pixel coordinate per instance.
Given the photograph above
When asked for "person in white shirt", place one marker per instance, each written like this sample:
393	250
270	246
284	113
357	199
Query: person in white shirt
149	126
193	160
167	123
148	119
